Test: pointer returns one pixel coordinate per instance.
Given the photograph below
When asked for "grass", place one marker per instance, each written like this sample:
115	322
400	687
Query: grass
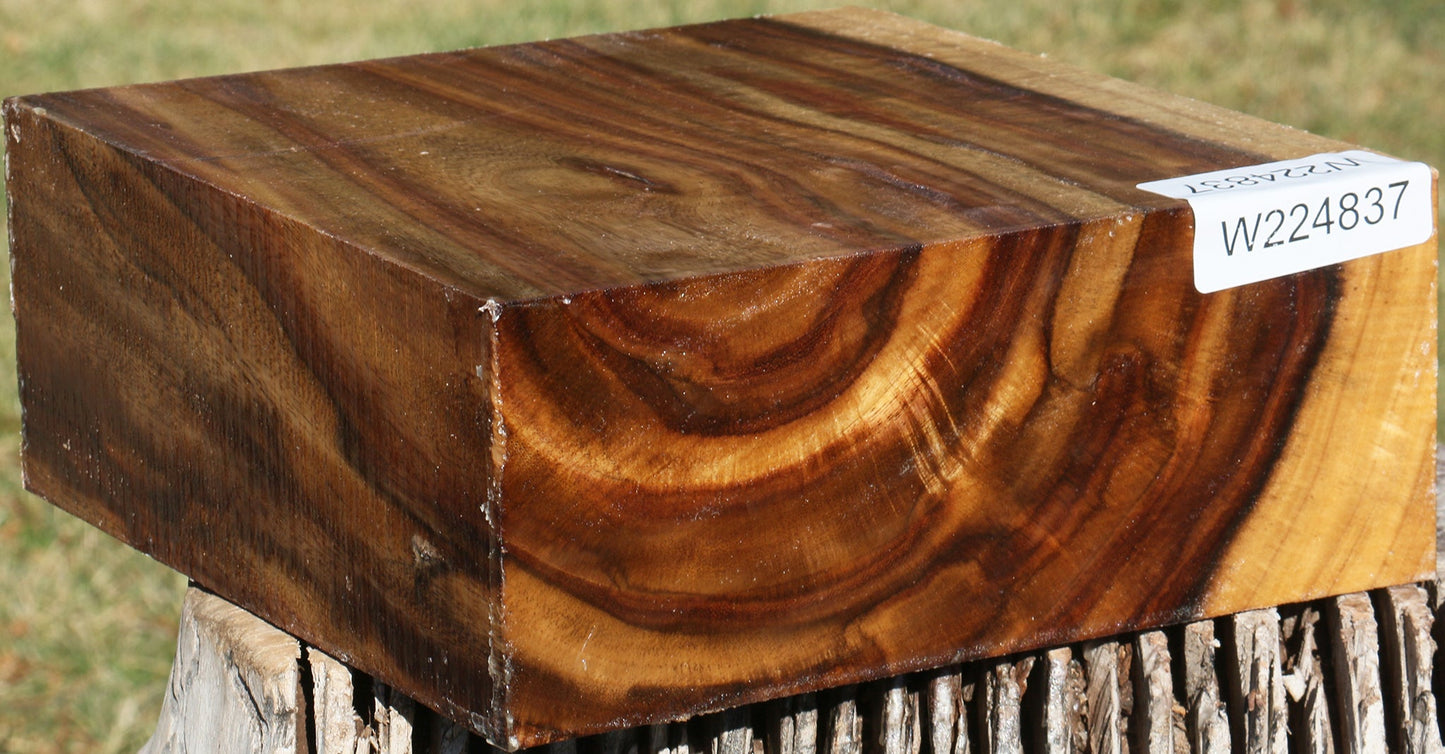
87	626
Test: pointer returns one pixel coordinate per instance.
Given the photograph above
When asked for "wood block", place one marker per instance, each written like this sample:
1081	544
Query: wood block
602	382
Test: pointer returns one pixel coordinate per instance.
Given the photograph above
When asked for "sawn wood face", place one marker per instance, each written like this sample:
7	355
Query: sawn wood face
603	381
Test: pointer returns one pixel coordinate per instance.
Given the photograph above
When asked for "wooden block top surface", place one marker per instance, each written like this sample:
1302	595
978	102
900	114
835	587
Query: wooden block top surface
551	168
598	382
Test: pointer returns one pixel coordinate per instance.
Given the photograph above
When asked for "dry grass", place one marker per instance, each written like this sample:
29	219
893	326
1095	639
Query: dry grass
86	626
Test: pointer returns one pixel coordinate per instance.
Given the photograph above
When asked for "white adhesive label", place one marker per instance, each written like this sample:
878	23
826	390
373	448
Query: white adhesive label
1259	222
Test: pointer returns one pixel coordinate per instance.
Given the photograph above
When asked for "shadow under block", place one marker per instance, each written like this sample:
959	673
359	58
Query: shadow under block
595	382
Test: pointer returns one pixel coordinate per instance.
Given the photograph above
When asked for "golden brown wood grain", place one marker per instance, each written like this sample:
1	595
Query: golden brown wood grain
599	382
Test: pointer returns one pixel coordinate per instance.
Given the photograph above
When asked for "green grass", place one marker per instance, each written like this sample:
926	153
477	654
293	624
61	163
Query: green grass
87	626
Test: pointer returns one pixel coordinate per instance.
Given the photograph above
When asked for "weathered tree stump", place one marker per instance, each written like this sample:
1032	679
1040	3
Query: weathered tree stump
234	688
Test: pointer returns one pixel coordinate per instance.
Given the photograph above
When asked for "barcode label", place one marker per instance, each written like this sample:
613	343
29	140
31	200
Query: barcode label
1265	221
